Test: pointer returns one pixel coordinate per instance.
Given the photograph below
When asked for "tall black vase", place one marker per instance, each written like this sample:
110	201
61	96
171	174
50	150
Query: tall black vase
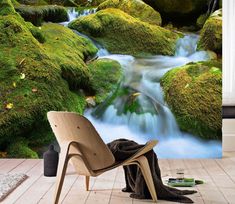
51	158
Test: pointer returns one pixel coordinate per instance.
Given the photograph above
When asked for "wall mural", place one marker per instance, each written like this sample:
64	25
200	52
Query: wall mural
136	69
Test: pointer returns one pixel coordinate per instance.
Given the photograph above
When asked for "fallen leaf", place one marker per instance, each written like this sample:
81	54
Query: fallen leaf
22	61
186	86
14	84
9	106
34	90
22	76
136	94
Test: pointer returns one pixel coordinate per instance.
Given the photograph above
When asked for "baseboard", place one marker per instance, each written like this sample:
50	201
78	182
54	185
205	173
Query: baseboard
228	134
229	143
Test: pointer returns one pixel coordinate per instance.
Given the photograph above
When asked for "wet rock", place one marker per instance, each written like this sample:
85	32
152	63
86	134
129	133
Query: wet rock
39	14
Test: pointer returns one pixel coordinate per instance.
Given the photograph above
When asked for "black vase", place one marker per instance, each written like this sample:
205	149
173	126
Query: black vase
51	158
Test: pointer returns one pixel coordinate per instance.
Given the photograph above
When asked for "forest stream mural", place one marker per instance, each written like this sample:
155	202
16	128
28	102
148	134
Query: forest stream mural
136	69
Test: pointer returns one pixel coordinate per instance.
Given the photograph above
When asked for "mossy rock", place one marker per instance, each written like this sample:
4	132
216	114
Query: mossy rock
33	2
135	8
6	8
105	76
124	34
211	33
194	94
31	76
90	3
39	14
20	149
70	3
70	52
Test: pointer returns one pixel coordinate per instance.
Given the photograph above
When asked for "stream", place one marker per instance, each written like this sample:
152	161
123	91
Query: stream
154	119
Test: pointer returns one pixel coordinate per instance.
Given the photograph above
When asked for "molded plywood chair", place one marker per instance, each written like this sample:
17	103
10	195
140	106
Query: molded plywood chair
80	143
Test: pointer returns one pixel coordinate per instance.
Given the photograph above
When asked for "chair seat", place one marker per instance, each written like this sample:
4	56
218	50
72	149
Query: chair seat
148	146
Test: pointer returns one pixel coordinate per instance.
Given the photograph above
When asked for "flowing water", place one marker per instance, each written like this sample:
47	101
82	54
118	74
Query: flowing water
151	118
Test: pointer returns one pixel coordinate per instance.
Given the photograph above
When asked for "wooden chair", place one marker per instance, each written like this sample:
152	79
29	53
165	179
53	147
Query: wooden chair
80	143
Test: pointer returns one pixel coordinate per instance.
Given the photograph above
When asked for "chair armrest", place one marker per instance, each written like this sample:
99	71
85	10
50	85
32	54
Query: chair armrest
148	146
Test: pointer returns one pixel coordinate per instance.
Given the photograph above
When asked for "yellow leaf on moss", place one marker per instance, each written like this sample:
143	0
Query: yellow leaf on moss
9	106
22	76
14	84
136	94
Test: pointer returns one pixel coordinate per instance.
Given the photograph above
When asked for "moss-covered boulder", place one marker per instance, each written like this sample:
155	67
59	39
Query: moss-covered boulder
135	8
122	33
32	2
39	14
31	77
70	3
6	8
211	33
70	52
105	76
194	94
180	11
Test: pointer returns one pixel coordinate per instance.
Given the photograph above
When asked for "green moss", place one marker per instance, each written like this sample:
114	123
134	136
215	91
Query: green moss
211	33
70	3
36	32
31	76
20	149
39	14
201	20
60	41
135	8
91	3
105	75
6	8
121	33
194	94
33	2
15	2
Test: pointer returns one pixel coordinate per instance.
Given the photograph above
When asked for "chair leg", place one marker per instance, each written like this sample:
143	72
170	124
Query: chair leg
87	182
62	166
145	169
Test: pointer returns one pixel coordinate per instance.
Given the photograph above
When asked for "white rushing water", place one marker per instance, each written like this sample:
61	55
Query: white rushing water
156	121
74	13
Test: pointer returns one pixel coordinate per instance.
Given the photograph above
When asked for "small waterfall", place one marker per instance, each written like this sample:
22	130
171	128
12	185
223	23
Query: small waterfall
142	75
155	120
152	119
75	13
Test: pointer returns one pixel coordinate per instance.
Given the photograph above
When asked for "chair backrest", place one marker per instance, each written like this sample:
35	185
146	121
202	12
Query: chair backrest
68	126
